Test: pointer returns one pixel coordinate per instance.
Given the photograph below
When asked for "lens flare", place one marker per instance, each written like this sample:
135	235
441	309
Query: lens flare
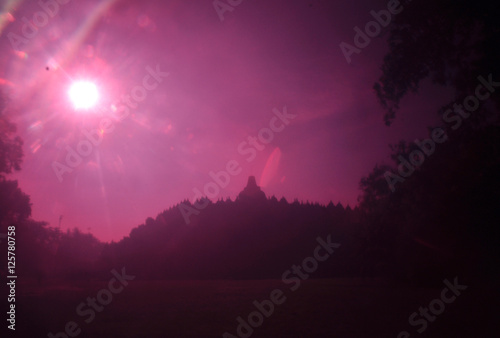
83	94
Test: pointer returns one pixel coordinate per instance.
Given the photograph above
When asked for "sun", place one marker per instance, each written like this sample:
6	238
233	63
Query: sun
83	95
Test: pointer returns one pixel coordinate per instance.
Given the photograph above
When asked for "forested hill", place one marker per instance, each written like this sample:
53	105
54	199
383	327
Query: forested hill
251	237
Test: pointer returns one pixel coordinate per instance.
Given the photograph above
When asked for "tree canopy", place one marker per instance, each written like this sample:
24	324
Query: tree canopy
449	42
11	151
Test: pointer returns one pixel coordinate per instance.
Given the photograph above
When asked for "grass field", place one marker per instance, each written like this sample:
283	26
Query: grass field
318	308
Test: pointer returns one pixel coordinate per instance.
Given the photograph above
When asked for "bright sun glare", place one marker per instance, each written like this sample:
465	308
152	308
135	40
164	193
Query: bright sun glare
83	94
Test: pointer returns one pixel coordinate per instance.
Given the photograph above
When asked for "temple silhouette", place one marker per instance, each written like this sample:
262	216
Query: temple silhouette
252	192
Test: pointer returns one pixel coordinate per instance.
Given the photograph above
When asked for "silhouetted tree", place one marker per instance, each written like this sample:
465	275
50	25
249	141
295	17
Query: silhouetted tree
449	42
14	204
11	152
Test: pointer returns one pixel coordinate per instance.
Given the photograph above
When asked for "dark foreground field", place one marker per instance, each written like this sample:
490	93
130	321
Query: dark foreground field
318	308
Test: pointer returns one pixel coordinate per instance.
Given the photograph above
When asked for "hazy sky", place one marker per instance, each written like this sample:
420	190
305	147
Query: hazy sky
226	81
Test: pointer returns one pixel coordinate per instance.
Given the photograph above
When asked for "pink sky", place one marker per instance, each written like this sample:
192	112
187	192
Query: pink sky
225	79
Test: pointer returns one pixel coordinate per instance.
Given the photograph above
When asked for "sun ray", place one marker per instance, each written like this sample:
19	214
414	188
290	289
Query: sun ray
77	39
6	16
